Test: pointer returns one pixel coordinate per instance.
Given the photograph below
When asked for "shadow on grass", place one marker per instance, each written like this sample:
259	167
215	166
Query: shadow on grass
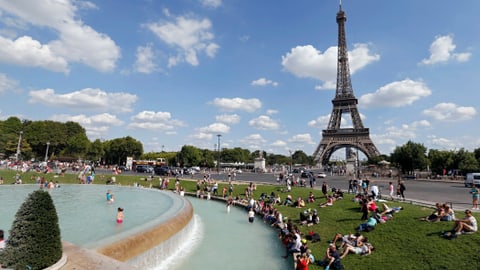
350	219
433	234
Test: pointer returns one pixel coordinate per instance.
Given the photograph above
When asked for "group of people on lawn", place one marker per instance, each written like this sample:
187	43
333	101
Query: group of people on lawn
443	212
296	243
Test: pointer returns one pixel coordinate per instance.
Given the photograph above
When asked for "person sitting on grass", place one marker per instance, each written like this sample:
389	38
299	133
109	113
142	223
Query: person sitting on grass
332	259
288	200
302	262
329	201
466	225
299	203
293	244
436	215
449	214
338	194
311	198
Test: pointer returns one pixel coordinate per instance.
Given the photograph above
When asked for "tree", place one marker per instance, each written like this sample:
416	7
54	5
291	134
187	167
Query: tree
410	156
9	131
236	154
465	161
117	150
190	156
299	157
441	161
34	241
77	146
95	151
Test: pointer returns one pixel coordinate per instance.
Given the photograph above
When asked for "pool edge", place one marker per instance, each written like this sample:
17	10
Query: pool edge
137	244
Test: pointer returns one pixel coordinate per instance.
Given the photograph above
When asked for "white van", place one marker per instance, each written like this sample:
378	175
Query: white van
472	179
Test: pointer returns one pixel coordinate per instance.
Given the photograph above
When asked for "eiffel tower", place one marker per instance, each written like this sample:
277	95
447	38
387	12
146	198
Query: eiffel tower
335	137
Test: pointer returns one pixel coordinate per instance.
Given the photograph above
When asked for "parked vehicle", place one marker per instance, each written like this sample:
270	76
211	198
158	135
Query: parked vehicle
144	169
306	174
162	170
322	175
123	168
472	179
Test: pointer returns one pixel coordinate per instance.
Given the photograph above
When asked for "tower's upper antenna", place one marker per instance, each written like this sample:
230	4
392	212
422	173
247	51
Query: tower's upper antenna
340	4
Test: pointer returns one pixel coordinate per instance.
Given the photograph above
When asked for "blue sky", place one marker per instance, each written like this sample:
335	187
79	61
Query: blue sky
259	72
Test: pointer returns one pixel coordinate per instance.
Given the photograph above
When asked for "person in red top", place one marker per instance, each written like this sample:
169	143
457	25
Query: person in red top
302	262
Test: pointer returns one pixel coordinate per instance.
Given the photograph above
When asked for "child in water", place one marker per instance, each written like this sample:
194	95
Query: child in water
110	198
120	215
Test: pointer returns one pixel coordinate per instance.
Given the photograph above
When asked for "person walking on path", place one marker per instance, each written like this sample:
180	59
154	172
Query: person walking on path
401	189
391	190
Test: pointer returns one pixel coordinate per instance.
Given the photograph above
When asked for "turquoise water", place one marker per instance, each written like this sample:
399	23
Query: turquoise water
229	241
85	217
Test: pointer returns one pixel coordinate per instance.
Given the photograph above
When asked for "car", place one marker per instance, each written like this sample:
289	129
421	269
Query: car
296	170
123	168
144	169
322	175
409	176
162	170
306	174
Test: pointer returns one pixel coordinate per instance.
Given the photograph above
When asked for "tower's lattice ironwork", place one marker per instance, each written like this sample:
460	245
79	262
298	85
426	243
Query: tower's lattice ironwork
335	137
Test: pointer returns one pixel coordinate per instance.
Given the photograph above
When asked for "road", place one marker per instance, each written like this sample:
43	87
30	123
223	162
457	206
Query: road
421	191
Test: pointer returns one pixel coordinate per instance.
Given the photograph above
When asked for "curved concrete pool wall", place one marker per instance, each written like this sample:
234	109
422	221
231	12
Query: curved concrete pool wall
135	245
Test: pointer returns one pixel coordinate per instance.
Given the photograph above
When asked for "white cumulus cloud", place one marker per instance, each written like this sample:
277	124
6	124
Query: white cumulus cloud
187	35
145	60
264	82
228	118
6	84
74	42
96	126
215	128
151	120
308	62
211	3
88	98
450	112
396	94
241	104
264	122
442	50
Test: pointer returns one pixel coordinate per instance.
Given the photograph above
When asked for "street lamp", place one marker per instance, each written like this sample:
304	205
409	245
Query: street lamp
219	154
17	155
291	160
46	152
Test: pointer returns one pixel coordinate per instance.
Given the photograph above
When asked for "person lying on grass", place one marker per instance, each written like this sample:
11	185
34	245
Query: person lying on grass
347	239
363	248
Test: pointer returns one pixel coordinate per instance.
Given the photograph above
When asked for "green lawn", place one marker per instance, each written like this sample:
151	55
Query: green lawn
401	243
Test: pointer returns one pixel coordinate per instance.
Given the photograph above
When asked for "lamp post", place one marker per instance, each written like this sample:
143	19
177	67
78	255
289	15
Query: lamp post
46	152
291	160
17	155
219	154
